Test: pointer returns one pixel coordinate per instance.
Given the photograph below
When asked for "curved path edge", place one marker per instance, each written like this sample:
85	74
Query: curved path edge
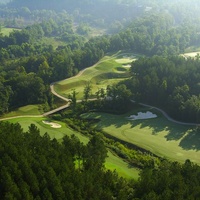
167	116
68	104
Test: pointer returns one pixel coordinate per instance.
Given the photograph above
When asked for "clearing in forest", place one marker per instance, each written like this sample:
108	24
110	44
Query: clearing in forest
109	70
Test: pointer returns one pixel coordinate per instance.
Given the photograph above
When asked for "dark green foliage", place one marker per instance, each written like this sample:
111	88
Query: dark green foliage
115	99
35	167
5	92
171	83
170	181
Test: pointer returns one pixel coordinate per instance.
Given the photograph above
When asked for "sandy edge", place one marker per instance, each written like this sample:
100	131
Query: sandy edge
142	115
52	124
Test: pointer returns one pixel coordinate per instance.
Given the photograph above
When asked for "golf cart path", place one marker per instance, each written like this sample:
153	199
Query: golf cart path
67	100
168	117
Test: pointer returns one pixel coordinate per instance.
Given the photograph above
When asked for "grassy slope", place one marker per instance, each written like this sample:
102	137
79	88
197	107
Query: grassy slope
115	163
164	138
107	71
25	110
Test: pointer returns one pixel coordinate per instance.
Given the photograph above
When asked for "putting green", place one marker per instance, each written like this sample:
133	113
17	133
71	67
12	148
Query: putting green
158	135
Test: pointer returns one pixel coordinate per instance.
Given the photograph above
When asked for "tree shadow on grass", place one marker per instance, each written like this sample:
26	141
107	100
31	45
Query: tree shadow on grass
192	140
171	131
161	124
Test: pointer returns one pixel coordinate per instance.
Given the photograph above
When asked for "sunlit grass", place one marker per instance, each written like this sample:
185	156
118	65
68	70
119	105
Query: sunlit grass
25	110
160	136
122	168
57	133
106	72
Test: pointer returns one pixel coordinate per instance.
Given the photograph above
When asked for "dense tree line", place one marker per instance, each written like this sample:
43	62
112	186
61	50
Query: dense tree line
40	64
157	35
170	181
35	167
171	83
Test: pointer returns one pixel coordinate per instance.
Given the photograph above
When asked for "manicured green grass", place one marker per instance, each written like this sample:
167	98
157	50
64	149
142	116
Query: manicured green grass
25	110
57	133
160	136
107	71
115	163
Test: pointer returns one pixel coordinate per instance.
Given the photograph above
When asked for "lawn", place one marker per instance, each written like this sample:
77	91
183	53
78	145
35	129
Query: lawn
109	70
158	135
57	133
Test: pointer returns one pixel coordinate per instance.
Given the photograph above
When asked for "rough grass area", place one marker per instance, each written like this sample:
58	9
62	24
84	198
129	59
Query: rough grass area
158	135
109	70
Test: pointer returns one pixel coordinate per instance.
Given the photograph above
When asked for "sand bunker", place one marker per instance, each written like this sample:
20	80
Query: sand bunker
127	66
126	59
52	124
141	115
191	54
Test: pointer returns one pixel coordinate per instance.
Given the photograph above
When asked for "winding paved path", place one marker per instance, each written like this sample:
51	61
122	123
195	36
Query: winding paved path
167	116
68	104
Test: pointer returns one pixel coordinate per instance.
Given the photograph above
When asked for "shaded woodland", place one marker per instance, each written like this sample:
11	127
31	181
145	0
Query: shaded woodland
170	83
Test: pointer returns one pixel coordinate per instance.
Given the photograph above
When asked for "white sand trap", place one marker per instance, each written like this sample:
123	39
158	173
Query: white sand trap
126	59
126	66
191	54
52	124
141	115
